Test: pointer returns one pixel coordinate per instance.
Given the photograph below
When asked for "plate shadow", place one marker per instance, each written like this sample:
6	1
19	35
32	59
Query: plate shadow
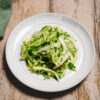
32	92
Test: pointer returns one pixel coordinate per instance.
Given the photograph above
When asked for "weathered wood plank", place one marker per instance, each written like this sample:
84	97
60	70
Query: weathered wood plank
83	11
97	24
21	10
97	40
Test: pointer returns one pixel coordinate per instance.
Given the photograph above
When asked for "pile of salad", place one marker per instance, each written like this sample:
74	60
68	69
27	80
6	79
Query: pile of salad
49	52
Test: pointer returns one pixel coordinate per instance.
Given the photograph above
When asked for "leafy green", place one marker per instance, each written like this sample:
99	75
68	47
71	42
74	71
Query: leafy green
72	66
50	51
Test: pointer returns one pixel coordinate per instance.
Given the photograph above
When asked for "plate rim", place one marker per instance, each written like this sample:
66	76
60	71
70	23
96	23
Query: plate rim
59	14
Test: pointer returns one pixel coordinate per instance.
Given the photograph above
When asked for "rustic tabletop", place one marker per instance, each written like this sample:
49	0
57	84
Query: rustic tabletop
87	12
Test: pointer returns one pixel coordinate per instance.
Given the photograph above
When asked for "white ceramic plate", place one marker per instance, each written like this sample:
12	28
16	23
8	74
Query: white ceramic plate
32	24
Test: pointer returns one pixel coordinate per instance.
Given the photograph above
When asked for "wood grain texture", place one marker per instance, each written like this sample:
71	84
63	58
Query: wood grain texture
83	11
21	10
87	12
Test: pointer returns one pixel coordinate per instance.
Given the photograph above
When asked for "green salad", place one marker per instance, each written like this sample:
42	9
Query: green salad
49	52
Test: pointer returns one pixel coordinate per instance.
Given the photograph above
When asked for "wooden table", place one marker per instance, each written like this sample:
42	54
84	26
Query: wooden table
87	12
